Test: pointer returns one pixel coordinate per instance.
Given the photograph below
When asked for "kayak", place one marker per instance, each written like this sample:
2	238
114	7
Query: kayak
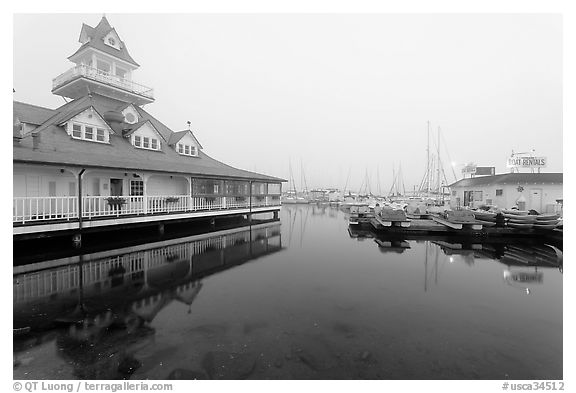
520	219
517	225
546	217
515	212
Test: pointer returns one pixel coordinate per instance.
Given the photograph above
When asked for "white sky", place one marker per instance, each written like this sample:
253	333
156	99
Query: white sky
336	92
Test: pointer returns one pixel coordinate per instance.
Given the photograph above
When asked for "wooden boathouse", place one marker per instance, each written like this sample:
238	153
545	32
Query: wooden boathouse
102	161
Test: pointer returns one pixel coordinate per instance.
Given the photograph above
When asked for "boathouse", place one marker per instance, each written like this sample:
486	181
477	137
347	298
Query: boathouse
101	160
539	191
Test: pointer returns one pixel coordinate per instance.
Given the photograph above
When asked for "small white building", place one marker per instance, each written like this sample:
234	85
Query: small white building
538	191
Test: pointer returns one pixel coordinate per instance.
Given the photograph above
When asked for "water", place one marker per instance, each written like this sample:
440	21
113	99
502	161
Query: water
300	299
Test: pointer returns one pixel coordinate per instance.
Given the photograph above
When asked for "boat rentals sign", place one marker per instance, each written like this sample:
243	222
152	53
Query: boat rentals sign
527	162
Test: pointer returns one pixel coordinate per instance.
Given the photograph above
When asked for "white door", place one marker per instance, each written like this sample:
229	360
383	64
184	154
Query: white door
536	199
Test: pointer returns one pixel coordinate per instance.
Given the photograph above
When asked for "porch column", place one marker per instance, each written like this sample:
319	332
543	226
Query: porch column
190	189
145	179
223	194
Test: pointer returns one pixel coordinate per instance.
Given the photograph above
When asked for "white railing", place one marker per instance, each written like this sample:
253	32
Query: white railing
97	206
208	203
102	76
66	207
44	208
237	203
265	200
167	203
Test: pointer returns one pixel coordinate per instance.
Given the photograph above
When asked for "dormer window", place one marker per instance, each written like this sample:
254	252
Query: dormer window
187	150
146	142
89	133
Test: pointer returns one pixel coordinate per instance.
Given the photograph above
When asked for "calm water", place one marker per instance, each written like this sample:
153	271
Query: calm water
303	298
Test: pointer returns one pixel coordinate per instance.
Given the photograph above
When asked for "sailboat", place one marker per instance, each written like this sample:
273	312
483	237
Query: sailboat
292	197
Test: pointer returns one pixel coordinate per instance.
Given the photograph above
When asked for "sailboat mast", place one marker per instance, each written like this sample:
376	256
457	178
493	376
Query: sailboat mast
438	147
428	163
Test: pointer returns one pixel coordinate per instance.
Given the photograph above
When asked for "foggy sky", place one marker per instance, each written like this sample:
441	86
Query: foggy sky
334	93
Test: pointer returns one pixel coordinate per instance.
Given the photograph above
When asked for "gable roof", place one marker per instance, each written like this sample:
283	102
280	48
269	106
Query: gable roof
96	41
31	114
132	128
70	115
176	136
510	178
56	147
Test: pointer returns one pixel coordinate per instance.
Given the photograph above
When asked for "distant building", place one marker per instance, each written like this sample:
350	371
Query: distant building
101	159
538	191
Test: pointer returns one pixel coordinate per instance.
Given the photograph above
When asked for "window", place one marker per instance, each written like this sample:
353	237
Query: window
120	72
100	136
103	67
454	193
88	133
145	142
72	188
136	187
489	202
76	131
130	118
188	150
499	192
274	188
478	196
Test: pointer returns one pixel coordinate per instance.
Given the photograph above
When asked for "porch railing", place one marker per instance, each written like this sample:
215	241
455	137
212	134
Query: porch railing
102	76
27	209
66	207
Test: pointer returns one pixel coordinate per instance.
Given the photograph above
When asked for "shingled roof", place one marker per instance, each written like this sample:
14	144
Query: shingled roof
31	114
510	178
96	41
56	147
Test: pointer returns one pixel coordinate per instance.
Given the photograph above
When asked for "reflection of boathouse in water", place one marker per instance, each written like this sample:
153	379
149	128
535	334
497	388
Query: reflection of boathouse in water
138	281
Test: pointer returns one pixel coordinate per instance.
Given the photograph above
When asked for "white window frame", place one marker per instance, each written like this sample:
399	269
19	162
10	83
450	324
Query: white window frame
138	141
100	132
187	150
83	136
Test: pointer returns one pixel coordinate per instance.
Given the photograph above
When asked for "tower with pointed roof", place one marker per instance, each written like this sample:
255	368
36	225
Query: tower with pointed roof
103	66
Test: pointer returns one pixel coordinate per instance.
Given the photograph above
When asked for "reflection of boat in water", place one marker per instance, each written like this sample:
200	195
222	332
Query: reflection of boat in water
397	246
523	280
356	233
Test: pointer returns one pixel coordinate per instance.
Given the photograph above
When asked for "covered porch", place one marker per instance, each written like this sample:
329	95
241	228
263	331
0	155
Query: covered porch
53	195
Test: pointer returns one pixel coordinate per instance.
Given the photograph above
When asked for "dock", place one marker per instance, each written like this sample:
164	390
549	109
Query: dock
422	227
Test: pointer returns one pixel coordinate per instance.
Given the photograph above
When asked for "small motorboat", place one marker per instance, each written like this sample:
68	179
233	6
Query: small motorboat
538	225
485	215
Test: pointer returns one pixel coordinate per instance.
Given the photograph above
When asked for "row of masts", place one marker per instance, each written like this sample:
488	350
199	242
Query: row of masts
433	183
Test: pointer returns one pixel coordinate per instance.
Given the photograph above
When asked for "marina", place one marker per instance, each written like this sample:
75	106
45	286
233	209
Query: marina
366	197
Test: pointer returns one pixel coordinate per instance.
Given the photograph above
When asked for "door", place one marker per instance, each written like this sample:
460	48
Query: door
116	187
536	199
